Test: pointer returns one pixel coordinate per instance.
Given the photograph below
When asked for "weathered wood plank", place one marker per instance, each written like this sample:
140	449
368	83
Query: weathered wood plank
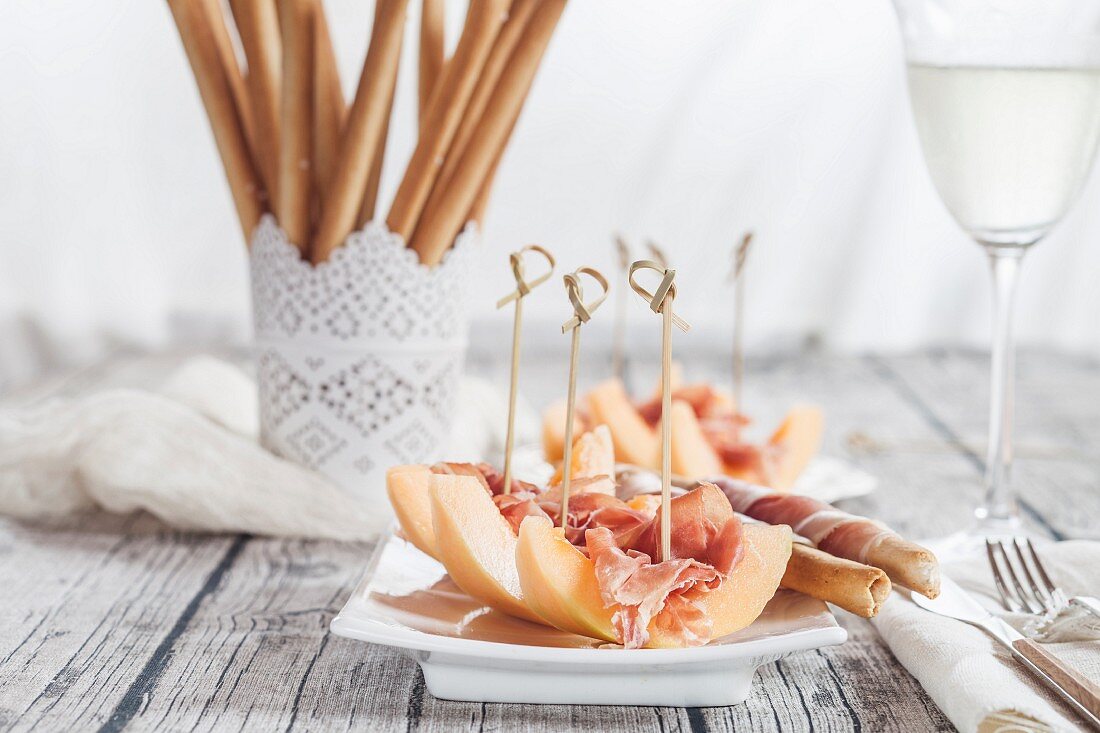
1057	428
84	607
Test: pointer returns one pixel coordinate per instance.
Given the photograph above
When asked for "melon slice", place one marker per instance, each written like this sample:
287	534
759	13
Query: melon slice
692	454
593	455
634	441
559	583
798	439
476	544
409	490
553	430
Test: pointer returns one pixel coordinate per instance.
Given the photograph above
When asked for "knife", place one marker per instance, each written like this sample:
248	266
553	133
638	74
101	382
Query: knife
1082	694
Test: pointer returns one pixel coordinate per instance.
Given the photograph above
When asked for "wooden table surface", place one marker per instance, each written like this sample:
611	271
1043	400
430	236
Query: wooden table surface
118	623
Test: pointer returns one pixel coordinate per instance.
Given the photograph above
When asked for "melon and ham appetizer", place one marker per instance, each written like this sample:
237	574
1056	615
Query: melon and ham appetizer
707	434
718	580
459	514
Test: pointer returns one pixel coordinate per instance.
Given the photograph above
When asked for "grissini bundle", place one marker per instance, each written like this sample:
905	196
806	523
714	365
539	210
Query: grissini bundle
432	53
839	533
329	108
853	586
446	211
366	123
258	26
445	109
215	87
296	19
510	33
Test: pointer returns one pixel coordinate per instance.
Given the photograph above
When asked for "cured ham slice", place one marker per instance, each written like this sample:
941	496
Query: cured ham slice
704	528
641	589
517	506
839	533
592	510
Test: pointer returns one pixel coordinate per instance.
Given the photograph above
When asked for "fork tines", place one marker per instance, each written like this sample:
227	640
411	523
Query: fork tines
1024	591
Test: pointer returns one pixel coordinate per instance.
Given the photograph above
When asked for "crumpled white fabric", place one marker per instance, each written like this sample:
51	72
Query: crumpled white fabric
189	455
973	678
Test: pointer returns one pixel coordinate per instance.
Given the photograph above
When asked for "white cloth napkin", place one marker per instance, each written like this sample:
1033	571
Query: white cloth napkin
188	454
974	679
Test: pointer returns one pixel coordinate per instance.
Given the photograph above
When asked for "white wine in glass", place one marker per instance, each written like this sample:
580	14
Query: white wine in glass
1006	99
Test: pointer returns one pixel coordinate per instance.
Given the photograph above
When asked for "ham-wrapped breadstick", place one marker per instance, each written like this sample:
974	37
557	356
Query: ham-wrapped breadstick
839	533
853	586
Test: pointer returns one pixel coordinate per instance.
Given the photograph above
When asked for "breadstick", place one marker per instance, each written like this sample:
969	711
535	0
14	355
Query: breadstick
447	105
258	25
295	146
329	108
213	80
839	533
374	179
853	586
431	51
444	217
481	202
510	33
365	126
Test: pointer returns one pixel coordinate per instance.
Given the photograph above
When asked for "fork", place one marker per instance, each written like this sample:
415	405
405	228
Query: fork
1034	597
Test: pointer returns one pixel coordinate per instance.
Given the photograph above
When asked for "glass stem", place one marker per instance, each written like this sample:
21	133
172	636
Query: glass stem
999	509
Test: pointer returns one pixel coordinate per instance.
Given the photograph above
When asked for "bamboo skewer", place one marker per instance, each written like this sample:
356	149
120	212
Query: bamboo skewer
618	341
432	18
365	126
329	108
444	215
296	129
215	87
510	33
660	301
657	253
582	312
445	110
737	278
258	26
523	288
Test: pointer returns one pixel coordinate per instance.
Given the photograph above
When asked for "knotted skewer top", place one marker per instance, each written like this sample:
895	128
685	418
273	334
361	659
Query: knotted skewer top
666	290
524	286
582	311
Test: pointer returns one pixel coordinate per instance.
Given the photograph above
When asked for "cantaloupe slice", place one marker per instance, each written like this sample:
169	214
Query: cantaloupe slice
559	583
410	496
692	454
798	438
553	430
476	544
593	455
635	442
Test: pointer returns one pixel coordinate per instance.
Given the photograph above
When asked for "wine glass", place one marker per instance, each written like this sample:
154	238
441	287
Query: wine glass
1006	98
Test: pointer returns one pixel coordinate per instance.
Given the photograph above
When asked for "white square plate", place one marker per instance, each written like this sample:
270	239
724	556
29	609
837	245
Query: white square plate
471	652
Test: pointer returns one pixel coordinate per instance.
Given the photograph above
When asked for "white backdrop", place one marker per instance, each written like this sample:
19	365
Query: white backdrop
684	122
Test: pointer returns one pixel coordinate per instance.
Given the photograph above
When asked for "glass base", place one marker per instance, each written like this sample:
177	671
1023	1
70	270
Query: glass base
970	542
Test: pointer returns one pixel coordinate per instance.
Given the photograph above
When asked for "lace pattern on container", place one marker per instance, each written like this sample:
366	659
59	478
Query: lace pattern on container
358	359
373	288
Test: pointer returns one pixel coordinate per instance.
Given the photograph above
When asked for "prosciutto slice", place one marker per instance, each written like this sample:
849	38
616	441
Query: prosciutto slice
517	506
716	541
592	510
834	531
494	481
704	401
642	589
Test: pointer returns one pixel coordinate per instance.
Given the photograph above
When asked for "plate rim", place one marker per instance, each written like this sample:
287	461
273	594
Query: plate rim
350	625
